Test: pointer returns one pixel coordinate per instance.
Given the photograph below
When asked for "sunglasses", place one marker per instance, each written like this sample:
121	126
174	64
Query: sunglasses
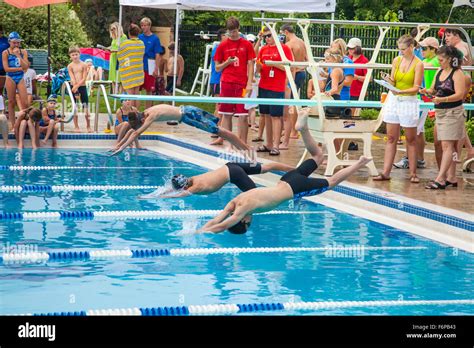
424	48
267	36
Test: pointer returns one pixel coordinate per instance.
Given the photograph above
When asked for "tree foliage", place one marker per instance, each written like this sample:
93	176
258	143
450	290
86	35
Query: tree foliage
32	24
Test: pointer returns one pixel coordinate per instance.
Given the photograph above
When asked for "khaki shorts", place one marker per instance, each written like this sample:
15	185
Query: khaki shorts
450	123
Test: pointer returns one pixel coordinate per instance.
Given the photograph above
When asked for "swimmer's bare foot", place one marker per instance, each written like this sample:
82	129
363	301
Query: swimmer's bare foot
364	160
77	130
294	136
43	142
219	141
55	144
302	122
284	146
89	130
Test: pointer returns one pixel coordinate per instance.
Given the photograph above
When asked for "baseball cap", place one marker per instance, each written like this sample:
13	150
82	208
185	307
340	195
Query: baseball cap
354	42
88	60
251	37
430	41
14	36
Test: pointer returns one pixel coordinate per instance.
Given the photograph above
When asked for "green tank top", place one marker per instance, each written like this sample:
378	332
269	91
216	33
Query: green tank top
406	80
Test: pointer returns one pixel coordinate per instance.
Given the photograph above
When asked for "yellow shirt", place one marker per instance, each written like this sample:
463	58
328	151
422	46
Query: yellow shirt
406	80
130	57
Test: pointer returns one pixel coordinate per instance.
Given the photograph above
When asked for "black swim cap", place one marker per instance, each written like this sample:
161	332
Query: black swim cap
239	228
179	182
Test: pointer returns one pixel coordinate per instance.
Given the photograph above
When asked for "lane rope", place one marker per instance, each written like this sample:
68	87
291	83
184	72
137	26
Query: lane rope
128	214
68	188
84	255
236	308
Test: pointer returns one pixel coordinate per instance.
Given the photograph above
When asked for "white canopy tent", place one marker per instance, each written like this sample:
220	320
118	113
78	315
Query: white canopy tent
280	6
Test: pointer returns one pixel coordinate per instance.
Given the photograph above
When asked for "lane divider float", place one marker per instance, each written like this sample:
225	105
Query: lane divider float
84	255
249	308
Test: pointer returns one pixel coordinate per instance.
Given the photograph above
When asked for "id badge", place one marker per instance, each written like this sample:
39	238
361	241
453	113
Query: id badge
236	63
272	73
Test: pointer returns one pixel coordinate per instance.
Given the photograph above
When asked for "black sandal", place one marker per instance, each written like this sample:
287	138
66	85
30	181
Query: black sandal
434	185
257	140
453	184
263	148
274	152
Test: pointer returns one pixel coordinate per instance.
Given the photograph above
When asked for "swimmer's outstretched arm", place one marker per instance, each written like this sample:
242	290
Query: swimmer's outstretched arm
131	136
183	193
211	224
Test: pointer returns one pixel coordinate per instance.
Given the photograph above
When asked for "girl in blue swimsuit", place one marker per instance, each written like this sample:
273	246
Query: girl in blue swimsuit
122	125
15	63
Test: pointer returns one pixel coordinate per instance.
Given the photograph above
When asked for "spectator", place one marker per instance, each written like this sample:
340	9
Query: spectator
117	36
429	46
130	58
340	45
28	120
402	109
272	85
122	124
235	58
49	122
151	59
160	85
30	81
298	49
215	80
3	124
4	44
417	50
453	38
448	89
15	63
252	108
77	70
354	48
170	69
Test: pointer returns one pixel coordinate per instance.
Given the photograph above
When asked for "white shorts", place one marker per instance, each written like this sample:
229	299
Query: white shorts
402	110
421	122
2	106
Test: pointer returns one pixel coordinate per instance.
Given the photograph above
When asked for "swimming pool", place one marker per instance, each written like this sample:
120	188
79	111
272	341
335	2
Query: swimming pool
436	272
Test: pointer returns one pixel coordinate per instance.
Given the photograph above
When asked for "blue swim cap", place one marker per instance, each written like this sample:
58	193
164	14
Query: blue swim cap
14	36
179	182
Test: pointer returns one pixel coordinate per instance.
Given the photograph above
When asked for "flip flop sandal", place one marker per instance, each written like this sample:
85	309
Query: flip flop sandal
263	148
274	152
256	140
214	136
381	177
453	184
434	185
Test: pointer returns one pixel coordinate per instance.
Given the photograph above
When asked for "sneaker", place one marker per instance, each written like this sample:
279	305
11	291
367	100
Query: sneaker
403	164
421	164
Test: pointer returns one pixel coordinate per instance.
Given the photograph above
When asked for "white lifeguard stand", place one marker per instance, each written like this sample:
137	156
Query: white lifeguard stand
203	75
324	129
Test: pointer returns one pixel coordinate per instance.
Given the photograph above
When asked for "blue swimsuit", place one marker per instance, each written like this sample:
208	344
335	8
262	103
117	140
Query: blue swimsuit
124	118
51	117
199	118
14	62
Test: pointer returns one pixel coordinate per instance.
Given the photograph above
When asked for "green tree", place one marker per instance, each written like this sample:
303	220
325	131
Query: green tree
32	24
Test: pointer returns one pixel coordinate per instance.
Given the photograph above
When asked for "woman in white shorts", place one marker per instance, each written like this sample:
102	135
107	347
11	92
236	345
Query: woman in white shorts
402	109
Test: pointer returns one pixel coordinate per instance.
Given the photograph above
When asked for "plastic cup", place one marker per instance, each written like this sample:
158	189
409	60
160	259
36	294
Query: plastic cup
383	97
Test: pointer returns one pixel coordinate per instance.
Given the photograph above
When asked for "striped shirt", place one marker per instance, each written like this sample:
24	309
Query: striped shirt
130	57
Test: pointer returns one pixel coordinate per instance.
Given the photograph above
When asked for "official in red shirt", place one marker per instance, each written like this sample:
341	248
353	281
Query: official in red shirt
272	85
235	58
354	46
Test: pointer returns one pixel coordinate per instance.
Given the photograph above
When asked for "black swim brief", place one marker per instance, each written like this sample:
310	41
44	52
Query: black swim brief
302	185
239	174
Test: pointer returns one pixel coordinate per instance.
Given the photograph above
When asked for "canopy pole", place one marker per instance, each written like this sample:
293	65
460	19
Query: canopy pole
332	29
117	70
176	47
48	89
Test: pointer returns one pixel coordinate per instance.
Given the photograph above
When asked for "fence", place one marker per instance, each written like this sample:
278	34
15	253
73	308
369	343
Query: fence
193	49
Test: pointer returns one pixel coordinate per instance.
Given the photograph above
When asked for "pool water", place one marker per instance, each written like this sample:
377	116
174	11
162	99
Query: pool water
436	273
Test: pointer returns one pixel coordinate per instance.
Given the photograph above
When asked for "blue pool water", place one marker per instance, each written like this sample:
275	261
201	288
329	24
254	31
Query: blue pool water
439	272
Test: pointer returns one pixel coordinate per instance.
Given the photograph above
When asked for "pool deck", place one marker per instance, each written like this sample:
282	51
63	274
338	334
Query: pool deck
460	198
